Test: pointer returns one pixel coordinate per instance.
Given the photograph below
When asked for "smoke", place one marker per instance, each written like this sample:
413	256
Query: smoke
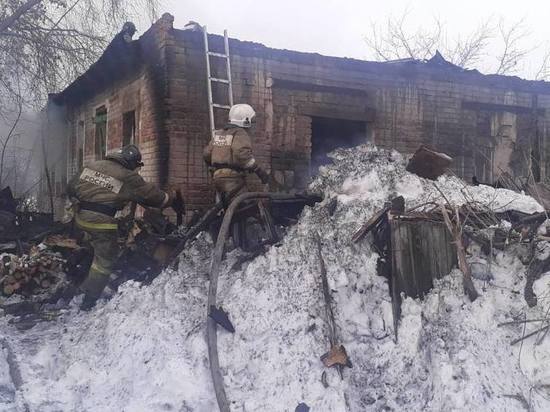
330	134
20	158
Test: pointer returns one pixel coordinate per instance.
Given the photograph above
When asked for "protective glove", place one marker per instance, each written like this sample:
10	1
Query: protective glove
262	174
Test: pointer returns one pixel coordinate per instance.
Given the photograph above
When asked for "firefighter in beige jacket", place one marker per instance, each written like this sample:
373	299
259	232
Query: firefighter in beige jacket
229	153
103	188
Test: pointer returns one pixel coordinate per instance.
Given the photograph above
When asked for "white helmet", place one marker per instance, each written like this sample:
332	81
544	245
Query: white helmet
242	115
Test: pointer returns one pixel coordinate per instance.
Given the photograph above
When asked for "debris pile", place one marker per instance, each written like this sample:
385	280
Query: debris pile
40	274
148	342
33	274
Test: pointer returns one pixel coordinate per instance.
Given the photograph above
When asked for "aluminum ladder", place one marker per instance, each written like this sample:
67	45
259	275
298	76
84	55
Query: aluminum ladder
210	79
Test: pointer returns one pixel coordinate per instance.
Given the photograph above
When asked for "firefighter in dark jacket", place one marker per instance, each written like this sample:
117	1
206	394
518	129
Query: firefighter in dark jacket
103	188
229	153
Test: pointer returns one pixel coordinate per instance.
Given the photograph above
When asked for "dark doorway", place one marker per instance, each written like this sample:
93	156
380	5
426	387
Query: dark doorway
100	133
329	134
80	146
128	128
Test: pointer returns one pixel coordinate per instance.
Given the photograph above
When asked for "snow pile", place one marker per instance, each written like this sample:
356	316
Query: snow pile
373	175
145	349
7	387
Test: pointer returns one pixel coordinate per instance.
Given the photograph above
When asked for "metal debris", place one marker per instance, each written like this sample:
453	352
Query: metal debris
336	356
221	318
428	163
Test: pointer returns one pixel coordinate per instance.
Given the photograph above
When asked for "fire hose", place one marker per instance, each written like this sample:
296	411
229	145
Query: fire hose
211	334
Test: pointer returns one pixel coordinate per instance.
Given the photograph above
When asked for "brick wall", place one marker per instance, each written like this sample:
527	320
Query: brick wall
121	83
403	105
143	92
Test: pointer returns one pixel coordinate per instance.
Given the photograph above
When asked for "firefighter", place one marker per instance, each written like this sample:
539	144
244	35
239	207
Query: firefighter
103	188
229	153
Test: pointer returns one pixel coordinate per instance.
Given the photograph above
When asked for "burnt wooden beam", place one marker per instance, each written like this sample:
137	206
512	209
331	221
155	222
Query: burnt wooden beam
495	107
313	87
360	113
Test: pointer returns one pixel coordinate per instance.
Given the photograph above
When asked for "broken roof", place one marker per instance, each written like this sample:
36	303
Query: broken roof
120	60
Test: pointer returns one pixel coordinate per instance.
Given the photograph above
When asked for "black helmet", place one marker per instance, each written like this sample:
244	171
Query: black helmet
129	28
128	156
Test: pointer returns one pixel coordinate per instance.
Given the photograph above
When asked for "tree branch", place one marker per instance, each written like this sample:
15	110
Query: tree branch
7	140
48	43
513	53
21	10
395	41
544	69
456	232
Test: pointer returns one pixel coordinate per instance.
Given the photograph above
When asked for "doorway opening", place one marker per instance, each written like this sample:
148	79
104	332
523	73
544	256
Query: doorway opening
100	121
328	134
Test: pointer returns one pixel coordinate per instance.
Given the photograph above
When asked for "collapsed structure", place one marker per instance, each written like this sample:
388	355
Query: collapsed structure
145	348
153	92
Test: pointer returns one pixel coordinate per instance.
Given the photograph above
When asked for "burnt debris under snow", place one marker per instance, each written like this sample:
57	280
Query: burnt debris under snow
145	348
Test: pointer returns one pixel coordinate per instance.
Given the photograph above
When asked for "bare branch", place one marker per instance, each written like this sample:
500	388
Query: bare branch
512	52
8	138
455	229
396	41
469	51
543	72
48	43
10	20
393	41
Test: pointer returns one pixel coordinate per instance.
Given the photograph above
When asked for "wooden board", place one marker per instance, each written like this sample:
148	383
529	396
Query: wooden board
421	251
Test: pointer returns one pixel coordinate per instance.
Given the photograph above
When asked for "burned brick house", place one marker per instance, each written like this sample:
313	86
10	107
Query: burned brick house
153	91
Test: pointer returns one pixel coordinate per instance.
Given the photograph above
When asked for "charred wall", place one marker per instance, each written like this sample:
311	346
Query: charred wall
404	105
283	94
132	91
487	123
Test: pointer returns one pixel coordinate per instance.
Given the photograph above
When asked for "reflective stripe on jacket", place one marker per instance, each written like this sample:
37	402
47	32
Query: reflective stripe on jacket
109	183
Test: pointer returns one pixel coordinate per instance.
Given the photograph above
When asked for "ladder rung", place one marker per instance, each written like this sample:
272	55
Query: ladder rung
221	106
215	79
211	79
218	54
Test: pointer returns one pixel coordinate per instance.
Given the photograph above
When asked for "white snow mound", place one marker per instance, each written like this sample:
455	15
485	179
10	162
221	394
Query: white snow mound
145	349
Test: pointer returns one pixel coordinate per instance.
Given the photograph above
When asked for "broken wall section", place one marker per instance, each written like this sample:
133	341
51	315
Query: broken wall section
119	100
466	114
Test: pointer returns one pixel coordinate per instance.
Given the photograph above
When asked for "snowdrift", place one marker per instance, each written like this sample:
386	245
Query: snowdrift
145	350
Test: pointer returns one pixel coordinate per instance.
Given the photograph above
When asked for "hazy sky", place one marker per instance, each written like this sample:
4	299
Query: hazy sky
338	27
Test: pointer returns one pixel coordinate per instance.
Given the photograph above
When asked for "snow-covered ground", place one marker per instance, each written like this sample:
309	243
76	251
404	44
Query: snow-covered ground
145	350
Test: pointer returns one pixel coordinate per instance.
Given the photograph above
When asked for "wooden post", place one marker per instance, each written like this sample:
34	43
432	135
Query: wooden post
456	232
